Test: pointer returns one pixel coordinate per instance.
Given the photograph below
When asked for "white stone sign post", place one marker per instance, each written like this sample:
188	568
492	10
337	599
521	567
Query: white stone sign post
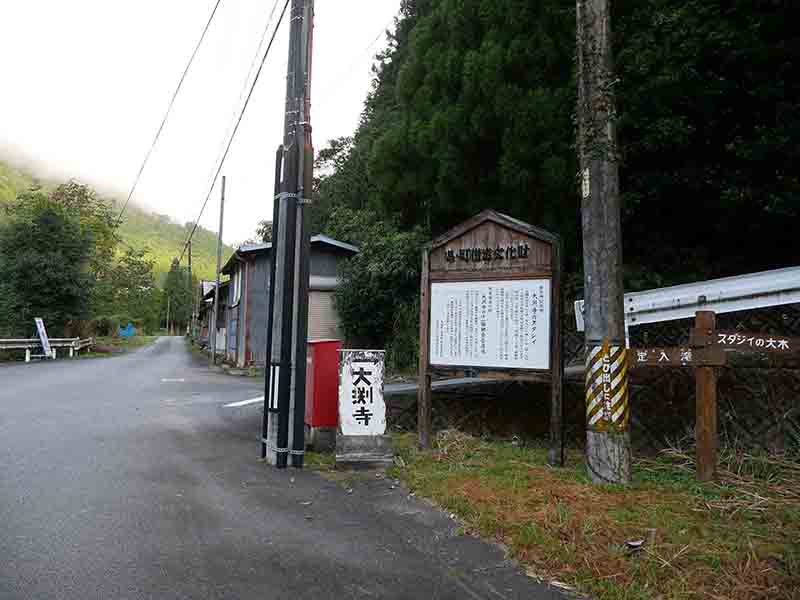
361	438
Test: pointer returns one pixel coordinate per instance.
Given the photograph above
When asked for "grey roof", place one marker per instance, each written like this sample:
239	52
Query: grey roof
316	240
324	239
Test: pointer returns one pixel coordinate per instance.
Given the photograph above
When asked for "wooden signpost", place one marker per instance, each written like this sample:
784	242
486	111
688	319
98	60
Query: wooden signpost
706	350
491	306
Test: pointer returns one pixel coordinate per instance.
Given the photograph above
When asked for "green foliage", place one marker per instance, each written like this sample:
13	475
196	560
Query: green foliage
380	280
45	255
178	292
162	238
14	181
402	343
472	107
709	96
264	231
129	293
116	281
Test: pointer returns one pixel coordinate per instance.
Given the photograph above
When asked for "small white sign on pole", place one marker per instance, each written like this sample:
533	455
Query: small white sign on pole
43	337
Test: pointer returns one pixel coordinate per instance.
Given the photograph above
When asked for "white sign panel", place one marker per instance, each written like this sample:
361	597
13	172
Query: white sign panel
362	410
45	341
499	324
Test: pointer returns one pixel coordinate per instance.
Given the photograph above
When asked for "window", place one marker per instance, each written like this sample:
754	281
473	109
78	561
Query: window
237	287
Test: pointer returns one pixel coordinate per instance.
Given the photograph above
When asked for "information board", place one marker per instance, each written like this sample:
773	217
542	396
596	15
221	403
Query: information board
492	324
490	308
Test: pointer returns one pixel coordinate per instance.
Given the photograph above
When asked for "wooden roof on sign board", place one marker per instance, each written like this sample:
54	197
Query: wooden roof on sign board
492	216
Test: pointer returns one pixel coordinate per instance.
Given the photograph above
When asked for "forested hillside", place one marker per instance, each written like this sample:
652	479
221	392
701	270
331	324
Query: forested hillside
473	107
159	235
12	181
163	238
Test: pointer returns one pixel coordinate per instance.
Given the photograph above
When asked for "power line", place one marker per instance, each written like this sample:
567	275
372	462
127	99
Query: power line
245	84
166	114
344	73
235	128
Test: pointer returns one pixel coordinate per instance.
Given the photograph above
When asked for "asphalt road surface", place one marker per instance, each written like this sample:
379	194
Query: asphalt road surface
128	478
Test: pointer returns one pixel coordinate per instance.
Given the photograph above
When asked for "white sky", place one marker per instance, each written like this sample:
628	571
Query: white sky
86	83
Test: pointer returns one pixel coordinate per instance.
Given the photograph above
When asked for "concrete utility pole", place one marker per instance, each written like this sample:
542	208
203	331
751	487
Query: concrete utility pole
607	410
213	325
169	332
284	397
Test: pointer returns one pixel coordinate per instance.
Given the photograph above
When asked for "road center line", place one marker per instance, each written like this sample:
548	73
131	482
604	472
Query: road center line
245	402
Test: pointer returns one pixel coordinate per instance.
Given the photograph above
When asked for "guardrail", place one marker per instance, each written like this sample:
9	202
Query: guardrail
30	344
729	294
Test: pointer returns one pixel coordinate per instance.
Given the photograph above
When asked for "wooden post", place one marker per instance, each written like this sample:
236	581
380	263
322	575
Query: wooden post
608	453
424	391
706	407
556	456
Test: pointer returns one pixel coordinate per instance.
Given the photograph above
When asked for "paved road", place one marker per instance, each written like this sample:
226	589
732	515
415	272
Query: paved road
127	478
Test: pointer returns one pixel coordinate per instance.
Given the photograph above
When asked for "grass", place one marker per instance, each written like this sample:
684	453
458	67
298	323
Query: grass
737	538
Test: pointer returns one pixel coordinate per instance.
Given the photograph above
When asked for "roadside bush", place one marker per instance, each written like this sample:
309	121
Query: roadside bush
380	285
402	346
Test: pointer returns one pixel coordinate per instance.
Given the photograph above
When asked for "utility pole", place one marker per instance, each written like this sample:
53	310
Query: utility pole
608	452
213	325
284	397
168	329
191	290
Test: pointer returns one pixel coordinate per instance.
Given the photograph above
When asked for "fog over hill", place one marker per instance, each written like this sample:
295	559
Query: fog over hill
161	235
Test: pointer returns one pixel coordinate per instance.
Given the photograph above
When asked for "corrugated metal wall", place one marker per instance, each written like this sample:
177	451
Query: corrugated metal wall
257	319
323	322
247	322
232	327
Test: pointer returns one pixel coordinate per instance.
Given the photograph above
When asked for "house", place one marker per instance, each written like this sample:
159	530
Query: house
247	299
201	306
205	313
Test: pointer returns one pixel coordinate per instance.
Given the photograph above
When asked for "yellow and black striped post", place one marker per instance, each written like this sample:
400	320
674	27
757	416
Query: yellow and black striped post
607	388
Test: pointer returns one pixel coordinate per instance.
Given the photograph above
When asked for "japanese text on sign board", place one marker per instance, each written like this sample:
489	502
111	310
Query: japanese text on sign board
607	388
487	254
503	324
362	391
749	340
362	410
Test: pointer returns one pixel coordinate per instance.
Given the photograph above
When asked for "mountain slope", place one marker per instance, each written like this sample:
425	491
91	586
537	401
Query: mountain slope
14	180
162	237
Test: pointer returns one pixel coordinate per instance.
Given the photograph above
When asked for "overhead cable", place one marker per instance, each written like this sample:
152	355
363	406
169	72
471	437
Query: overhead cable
166	114
235	128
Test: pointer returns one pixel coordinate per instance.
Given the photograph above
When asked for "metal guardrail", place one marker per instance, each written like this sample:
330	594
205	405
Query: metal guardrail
729	294
31	344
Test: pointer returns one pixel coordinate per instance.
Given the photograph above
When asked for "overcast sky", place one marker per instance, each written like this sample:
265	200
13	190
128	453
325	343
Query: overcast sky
86	83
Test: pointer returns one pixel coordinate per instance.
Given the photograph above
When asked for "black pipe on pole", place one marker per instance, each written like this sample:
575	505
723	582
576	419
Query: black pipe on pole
270	407
303	250
289	307
191	290
212	327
